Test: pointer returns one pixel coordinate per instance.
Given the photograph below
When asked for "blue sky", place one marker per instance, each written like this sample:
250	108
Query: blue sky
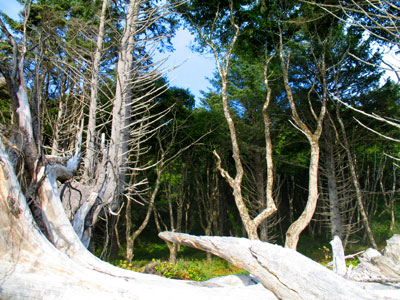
10	7
193	70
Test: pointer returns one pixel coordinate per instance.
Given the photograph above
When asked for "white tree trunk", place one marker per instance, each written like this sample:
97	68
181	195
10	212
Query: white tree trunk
121	106
32	267
222	62
285	272
94	87
296	228
339	263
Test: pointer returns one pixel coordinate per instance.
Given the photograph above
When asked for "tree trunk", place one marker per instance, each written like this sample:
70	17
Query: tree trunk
334	208
173	252
297	227
122	104
285	272
222	62
339	263
356	183
27	260
94	88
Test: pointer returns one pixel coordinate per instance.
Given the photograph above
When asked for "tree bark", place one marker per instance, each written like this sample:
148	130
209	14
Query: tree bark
122	104
297	227
33	268
223	62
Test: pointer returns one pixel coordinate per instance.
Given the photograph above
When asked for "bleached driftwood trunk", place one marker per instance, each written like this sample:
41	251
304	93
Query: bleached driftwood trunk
339	262
285	272
380	267
32	268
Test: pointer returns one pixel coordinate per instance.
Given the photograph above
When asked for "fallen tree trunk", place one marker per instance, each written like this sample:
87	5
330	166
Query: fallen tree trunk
285	272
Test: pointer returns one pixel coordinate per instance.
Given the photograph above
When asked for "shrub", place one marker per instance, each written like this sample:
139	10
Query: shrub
325	255
185	269
137	266
179	271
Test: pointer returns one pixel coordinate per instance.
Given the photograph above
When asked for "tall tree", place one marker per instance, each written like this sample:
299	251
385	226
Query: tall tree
295	229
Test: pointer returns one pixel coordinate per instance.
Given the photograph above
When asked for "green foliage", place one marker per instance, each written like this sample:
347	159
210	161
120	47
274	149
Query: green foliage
181	270
72	25
354	262
217	267
148	250
5	109
184	269
326	255
380	226
128	266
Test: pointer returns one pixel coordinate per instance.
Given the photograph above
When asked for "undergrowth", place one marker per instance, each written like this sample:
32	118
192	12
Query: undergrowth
186	269
327	257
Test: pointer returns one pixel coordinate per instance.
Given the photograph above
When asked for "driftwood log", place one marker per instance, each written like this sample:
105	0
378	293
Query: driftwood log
285	272
380	267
